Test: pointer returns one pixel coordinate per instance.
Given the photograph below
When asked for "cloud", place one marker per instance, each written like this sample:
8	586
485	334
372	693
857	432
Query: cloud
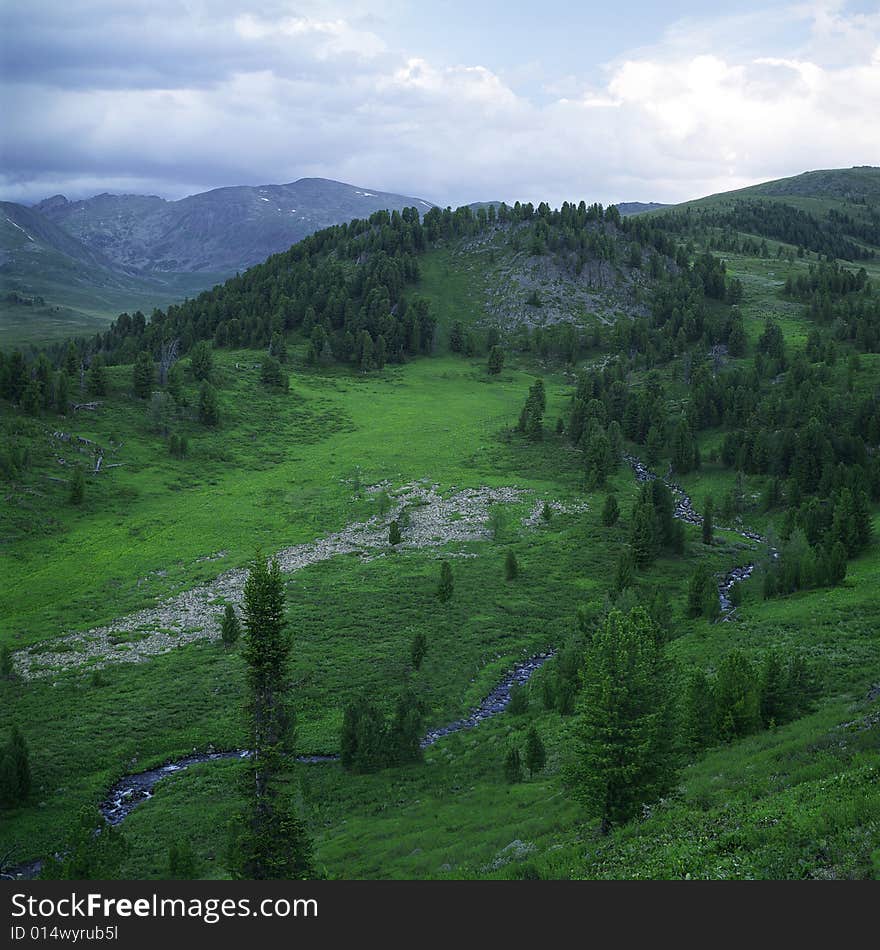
133	97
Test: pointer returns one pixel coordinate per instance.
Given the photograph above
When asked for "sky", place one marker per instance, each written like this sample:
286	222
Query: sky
448	100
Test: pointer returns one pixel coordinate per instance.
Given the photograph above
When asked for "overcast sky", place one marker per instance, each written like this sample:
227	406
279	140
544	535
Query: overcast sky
452	101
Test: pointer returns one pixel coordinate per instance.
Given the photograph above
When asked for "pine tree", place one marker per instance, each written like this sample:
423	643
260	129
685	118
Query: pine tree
209	405
96	378
496	361
610	511
445	587
418	649
623	734
708	528
15	780
643	531
513	771
703	594
202	361
698	713
143	374
511	567
394	536
273	843
230	628
77	487
536	754
624	571
736	696
7	667
62	393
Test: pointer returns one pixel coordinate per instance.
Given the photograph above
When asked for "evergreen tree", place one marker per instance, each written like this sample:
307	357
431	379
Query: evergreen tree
624	571
394	536
418	649
643	531
273	843
445	587
77	487
496	361
230	628
703	594
272	376
7	667
96	378
736	696
623	734
62	393
708	527
610	511
143	374
87	856
209	405
698	713
15	770
201	361
536	754
513	771
511	567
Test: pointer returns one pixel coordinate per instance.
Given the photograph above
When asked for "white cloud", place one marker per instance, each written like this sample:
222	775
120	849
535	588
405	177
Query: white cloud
278	95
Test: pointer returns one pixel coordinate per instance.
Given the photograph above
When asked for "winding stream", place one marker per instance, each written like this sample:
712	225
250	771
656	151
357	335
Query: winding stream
685	511
132	790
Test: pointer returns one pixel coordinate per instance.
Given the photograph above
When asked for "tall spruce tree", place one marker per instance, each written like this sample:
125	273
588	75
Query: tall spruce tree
623	734
273	843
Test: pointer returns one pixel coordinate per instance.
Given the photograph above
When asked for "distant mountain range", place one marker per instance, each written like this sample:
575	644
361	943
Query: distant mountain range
219	231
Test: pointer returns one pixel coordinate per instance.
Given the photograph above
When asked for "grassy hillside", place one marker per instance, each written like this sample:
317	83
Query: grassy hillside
793	798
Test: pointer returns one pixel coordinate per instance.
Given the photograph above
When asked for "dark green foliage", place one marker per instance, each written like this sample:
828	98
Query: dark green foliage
643	537
445	587
610	511
201	361
496	361
77	491
181	862
513	770
519	699
511	567
418	649
88	854
624	571
15	770
623	734
62	393
702	598
394	536
278	347
737	695
143	375
684	451
535	753
698	713
230	628
708	526
7	668
96	378
531	419
368	742
272	376
209	405
272	842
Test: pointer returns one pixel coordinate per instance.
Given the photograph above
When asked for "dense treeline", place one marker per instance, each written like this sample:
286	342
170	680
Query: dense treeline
832	237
